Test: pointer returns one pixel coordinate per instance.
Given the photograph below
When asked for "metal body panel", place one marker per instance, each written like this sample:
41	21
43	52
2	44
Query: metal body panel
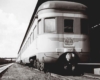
48	47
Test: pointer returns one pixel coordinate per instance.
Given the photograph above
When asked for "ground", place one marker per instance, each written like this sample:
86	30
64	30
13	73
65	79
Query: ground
20	72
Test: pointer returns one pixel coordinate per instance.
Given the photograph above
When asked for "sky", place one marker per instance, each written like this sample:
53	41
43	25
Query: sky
14	20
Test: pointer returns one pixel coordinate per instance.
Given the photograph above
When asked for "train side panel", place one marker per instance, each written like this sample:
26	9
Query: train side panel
51	46
30	51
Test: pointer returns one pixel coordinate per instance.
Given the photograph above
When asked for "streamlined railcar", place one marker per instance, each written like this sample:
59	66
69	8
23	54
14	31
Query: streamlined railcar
58	34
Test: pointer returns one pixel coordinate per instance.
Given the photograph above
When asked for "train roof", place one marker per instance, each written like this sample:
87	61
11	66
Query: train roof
62	5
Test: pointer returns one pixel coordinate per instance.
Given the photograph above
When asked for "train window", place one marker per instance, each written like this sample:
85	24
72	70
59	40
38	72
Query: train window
84	26
68	25
31	36
40	27
25	45
50	25
28	41
35	32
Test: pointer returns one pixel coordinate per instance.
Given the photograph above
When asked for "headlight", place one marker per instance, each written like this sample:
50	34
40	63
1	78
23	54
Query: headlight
68	56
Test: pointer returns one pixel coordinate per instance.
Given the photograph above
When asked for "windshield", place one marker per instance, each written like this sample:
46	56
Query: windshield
68	25
50	25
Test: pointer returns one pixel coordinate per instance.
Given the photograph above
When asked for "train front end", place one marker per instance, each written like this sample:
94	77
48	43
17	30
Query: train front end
63	36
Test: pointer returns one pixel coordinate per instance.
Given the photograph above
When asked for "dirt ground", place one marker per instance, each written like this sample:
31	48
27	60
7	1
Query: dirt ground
20	72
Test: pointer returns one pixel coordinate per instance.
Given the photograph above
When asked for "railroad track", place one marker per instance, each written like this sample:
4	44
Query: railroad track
4	67
50	75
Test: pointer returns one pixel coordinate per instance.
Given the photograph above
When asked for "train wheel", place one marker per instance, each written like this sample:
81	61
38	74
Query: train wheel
67	69
41	66
38	64
73	67
65	66
35	63
76	70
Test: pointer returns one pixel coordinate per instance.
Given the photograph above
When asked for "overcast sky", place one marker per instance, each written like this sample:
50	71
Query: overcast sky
14	19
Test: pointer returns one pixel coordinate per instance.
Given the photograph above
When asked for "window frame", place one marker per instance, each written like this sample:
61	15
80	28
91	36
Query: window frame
68	18
55	24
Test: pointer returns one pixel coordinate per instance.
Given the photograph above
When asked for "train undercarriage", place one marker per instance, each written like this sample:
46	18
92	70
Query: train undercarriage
66	63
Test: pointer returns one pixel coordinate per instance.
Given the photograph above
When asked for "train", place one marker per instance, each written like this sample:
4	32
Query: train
57	36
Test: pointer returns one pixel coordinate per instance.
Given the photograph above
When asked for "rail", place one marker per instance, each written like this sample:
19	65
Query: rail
3	68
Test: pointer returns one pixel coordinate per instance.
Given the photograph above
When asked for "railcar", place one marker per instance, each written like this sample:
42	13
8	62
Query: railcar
58	34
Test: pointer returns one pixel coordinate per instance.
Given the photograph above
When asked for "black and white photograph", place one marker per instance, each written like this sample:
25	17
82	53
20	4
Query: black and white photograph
49	40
